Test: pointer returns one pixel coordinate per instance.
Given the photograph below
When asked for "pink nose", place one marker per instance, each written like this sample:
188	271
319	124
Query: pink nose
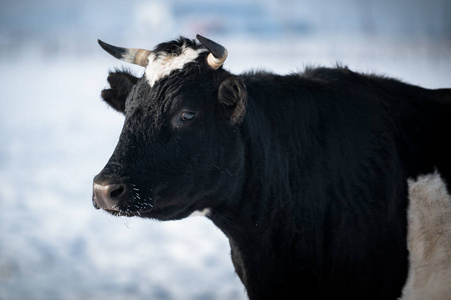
108	196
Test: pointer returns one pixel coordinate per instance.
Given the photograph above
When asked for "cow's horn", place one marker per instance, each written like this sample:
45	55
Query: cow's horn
218	53
130	55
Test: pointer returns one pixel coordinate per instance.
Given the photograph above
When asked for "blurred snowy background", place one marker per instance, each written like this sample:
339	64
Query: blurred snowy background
56	133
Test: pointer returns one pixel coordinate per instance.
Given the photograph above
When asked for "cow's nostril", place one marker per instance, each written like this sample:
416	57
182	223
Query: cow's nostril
108	196
117	191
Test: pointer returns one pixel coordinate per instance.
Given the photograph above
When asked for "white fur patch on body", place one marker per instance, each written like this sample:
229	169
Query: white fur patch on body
429	240
163	64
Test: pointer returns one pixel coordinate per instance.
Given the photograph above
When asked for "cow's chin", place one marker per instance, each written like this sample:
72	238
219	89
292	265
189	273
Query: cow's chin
163	209
171	208
130	213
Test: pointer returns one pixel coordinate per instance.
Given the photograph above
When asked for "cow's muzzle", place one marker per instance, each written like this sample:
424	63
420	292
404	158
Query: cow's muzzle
108	196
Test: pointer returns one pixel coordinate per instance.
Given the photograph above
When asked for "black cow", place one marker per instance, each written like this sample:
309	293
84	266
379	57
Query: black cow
306	174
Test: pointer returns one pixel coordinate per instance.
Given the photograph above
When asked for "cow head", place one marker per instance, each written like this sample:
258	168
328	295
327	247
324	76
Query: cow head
180	149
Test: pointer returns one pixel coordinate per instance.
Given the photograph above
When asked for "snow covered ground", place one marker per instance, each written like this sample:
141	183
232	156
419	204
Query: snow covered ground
56	134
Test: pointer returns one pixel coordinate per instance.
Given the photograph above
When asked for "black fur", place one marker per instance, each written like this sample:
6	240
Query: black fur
175	47
121	83
232	93
306	174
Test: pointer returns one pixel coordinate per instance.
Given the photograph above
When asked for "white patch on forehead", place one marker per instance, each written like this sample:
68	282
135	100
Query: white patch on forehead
204	213
429	239
163	64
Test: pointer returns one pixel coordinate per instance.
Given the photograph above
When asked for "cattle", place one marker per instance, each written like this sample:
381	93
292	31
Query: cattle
309	175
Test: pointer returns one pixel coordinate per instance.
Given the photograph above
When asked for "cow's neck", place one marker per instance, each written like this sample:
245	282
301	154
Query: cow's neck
264	211
260	221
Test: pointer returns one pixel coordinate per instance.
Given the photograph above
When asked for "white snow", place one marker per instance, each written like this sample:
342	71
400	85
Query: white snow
56	134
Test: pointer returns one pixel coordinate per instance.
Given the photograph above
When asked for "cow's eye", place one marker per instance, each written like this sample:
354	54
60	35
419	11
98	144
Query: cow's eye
187	116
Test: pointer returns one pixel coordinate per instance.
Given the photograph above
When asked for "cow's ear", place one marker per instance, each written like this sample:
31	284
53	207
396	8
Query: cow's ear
232	93
121	83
